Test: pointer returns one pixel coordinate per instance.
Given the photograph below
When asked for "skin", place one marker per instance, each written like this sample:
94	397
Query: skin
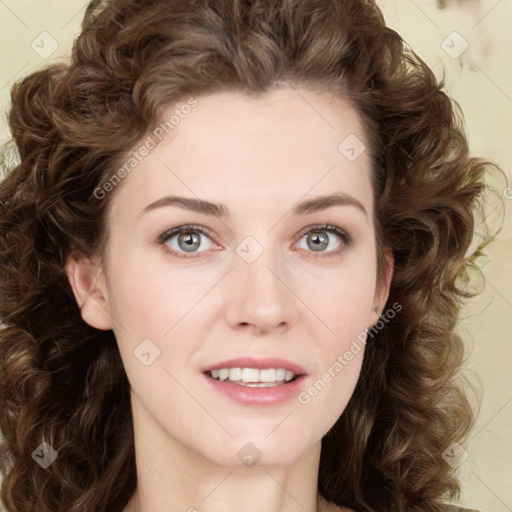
260	157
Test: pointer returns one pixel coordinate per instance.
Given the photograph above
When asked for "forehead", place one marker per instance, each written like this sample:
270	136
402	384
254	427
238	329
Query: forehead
281	146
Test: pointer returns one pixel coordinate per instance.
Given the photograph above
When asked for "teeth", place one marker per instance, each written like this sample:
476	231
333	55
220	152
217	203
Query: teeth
253	376
235	374
268	375
250	375
280	374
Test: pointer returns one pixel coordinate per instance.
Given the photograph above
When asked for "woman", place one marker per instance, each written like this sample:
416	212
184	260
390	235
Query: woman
231	261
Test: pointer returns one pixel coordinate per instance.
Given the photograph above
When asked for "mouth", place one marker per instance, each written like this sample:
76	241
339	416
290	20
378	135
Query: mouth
256	382
253	377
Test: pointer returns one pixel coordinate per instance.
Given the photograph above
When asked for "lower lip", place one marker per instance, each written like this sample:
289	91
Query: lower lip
258	396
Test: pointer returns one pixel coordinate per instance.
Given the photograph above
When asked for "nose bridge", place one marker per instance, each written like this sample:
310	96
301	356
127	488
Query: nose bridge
262	296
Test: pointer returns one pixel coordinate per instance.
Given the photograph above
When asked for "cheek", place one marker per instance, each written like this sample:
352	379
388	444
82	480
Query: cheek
148	304
340	352
344	299
342	308
148	300
142	299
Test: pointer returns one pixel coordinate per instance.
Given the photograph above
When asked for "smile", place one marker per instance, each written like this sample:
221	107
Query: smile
253	377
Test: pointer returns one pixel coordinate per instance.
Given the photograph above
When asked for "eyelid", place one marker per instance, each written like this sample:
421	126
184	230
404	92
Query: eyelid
185	227
170	233
328	227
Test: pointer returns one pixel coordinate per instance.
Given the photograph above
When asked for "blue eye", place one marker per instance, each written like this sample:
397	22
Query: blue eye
189	240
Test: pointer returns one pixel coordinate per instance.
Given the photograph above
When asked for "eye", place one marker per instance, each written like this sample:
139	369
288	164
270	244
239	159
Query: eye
317	239
188	240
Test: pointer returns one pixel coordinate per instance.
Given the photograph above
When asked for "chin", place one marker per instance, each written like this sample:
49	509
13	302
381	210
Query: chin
258	451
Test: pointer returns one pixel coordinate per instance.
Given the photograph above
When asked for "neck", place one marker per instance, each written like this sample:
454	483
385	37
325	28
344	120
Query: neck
224	488
172	476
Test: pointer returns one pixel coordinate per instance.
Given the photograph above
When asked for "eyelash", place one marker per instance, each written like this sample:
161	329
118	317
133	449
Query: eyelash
164	237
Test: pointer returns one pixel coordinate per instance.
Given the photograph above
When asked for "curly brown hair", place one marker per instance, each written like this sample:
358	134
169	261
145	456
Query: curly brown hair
63	382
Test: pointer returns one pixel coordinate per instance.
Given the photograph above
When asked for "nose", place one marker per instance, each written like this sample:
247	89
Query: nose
262	297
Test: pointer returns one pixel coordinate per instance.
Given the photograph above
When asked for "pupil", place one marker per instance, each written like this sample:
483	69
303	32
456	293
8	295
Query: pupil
319	240
191	241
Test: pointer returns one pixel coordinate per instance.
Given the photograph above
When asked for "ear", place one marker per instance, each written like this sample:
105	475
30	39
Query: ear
382	288
88	283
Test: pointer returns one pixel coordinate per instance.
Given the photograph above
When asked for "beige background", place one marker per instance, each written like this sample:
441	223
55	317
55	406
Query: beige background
480	80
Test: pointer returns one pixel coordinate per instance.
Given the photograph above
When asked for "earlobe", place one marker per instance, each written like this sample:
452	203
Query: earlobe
382	288
88	283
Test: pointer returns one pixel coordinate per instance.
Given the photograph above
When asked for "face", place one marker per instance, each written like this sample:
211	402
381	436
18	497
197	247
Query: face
258	278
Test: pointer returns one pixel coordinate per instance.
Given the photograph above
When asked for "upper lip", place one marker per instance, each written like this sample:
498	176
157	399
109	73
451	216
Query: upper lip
249	362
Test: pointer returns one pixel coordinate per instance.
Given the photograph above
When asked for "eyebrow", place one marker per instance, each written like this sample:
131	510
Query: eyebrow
219	210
